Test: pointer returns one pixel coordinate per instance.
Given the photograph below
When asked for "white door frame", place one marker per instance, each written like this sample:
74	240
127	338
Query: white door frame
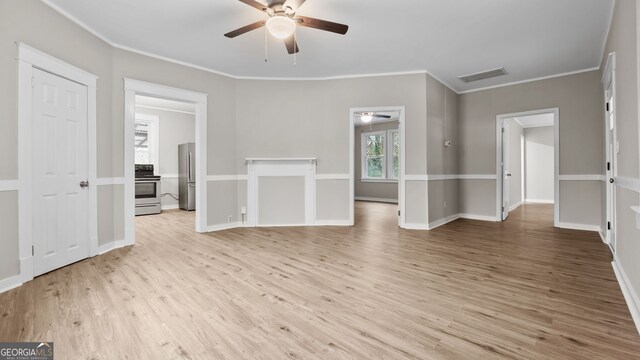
136	87
556	154
609	76
28	59
401	170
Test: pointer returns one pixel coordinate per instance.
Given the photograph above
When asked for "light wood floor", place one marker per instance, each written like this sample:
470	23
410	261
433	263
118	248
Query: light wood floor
468	290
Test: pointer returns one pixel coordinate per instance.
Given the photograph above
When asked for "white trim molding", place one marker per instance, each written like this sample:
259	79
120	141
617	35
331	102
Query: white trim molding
586	177
630	295
9	185
303	167
221	227
416	178
136	87
479	217
574	226
628	183
374	199
444	221
538	201
227	177
515	206
29	59
110	181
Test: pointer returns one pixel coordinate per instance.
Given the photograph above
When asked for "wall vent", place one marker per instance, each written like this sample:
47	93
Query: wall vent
483	75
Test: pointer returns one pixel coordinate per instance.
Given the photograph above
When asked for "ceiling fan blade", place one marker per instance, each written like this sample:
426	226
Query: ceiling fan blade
322	25
245	29
292	45
255	4
382	116
293	4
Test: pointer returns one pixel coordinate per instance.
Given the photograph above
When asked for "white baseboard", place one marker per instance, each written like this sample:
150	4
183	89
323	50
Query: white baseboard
478	217
10	283
26	274
444	221
373	199
603	236
170	207
538	201
630	295
584	227
410	226
333	223
515	206
220	227
116	244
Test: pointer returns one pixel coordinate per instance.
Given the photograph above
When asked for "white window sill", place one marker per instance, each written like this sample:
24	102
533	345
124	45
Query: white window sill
383	181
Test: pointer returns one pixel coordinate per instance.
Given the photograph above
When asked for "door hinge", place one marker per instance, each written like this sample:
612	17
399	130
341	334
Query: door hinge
608	166
398	212
503	209
607	106
503	130
608	225
33	251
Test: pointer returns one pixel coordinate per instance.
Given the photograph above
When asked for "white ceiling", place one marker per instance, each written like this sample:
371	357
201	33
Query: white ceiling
447	38
162	104
532	121
395	116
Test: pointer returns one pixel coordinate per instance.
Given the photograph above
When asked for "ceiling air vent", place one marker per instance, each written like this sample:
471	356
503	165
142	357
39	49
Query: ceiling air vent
483	75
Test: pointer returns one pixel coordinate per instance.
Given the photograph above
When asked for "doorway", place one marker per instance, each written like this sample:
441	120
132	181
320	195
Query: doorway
609	83
377	160
527	158
144	105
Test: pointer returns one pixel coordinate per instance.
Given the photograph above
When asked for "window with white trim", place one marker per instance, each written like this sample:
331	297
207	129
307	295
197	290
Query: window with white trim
146	139
380	155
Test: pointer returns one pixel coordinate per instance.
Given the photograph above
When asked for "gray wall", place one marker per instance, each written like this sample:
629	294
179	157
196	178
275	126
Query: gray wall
579	98
623	40
539	164
515	132
175	128
366	189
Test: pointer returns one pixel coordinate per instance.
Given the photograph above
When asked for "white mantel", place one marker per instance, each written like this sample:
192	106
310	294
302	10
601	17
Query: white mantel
280	167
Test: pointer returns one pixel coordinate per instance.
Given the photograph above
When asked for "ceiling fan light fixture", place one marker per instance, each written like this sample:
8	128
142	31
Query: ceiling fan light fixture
366	117
280	26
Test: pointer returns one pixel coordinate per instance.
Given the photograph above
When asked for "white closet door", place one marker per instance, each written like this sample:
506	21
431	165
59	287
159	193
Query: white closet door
60	203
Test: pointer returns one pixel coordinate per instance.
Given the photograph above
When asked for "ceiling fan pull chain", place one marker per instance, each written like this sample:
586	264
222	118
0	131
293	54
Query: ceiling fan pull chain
295	47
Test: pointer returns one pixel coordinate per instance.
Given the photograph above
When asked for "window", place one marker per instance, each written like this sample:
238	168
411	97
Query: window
146	139
380	155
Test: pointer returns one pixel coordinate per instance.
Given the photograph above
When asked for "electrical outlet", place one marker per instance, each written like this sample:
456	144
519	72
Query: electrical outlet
243	210
229	218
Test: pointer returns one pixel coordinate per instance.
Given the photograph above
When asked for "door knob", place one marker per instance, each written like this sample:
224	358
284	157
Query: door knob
84	184
611	180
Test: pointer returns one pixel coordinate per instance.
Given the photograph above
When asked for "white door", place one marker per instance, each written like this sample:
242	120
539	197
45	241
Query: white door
611	164
60	203
506	173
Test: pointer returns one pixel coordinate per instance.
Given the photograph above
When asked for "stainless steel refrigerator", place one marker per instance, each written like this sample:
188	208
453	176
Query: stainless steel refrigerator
187	176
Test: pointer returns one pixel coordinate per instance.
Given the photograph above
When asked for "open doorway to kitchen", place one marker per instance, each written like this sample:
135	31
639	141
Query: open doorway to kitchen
165	157
377	164
527	166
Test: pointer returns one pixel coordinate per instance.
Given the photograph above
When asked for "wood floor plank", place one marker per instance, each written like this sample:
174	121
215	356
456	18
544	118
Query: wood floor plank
521	289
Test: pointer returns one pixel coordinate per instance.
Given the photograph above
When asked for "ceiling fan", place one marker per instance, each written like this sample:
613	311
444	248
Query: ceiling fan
366	117
283	20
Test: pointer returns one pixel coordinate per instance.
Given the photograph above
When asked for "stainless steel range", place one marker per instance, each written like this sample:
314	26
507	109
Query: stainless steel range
147	190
